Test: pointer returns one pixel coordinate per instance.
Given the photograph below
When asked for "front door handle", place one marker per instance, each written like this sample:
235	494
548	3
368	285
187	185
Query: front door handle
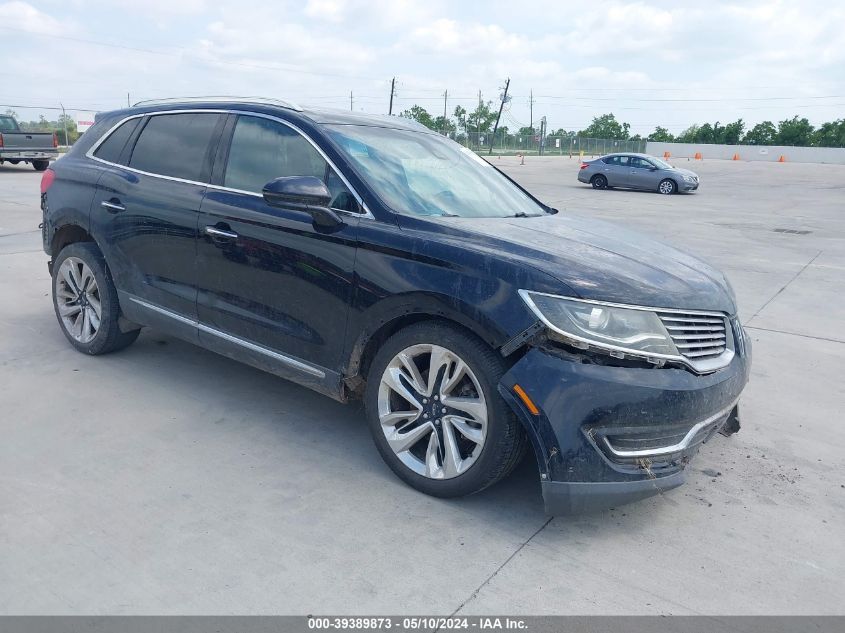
214	232
112	206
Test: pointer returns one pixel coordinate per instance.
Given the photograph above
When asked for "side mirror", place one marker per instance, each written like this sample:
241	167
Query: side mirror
304	193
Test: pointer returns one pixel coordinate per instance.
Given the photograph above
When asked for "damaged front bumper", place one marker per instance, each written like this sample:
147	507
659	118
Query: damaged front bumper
607	435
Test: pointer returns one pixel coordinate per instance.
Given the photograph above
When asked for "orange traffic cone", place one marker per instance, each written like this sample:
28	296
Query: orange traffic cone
698	156
666	155
736	157
782	159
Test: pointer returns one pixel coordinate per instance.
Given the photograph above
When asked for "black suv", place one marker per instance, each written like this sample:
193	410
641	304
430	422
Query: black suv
369	257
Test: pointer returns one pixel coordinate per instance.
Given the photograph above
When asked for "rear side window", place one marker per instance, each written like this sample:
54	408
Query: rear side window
175	145
611	160
7	124
263	150
112	147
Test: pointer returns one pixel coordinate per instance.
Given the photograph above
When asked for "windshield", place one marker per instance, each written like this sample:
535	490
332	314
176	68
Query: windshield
660	163
426	174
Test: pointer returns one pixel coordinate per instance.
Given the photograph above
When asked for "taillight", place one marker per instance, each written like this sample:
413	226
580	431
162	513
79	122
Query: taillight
47	180
584	165
1	140
55	140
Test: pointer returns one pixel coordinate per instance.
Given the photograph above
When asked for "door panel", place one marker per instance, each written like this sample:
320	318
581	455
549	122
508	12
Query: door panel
270	277
641	174
144	213
147	228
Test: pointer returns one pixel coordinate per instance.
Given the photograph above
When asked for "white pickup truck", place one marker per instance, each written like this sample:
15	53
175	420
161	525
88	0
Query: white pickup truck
18	146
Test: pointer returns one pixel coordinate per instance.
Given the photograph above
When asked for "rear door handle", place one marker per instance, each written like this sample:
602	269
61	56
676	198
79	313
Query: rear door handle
112	206
213	231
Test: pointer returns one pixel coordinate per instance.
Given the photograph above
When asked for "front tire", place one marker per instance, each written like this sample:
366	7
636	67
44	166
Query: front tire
435	414
667	187
40	165
85	301
599	182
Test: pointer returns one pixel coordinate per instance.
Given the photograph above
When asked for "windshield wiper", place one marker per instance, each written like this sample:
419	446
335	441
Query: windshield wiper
523	214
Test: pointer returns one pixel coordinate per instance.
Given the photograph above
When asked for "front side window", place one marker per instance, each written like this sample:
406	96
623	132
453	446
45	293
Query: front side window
419	173
175	145
640	163
263	150
112	147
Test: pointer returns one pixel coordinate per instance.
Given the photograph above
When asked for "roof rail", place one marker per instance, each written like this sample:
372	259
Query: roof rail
221	99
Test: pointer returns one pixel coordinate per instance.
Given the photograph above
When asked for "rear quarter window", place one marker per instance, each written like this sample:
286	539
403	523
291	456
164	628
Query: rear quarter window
175	145
112	148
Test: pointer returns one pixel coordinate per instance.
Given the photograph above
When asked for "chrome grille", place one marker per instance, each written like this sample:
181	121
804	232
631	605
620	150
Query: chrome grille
696	336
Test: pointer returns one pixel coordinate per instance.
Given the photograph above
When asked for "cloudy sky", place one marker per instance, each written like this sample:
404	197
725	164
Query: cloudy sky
649	62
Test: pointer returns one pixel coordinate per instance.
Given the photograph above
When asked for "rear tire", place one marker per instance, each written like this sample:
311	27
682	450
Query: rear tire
439	448
85	301
40	165
667	187
14	161
599	182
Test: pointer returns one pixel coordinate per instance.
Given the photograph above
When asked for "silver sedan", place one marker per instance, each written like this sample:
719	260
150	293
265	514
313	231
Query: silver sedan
637	171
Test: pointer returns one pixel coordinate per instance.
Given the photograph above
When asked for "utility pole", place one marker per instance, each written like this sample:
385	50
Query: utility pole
64	123
392	90
478	122
499	116
127	101
542	136
350	101
531	110
445	97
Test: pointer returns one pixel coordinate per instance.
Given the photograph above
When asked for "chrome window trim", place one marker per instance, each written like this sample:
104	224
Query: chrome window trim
674	448
91	151
282	358
705	366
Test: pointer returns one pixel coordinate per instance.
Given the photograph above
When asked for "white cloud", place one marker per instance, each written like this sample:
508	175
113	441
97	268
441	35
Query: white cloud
331	10
608	58
24	16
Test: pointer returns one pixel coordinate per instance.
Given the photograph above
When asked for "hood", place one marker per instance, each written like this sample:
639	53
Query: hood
601	261
686	172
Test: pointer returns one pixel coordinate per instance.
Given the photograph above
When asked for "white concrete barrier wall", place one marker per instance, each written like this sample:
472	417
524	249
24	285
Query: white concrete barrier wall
769	153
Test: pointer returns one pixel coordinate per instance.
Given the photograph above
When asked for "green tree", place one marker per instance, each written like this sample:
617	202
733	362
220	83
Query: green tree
460	115
761	134
420	115
830	134
482	118
794	131
689	135
444	125
66	122
606	126
733	132
661	135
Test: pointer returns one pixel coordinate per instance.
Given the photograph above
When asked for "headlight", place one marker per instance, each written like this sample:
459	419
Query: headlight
619	330
689	178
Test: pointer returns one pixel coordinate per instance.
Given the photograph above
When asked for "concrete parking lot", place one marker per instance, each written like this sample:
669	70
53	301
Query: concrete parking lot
166	479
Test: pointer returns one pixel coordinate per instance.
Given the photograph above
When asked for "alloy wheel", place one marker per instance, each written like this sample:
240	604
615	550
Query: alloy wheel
432	411
667	187
78	299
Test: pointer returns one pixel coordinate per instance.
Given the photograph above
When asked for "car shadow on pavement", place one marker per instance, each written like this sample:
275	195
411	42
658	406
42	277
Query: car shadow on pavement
290	412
